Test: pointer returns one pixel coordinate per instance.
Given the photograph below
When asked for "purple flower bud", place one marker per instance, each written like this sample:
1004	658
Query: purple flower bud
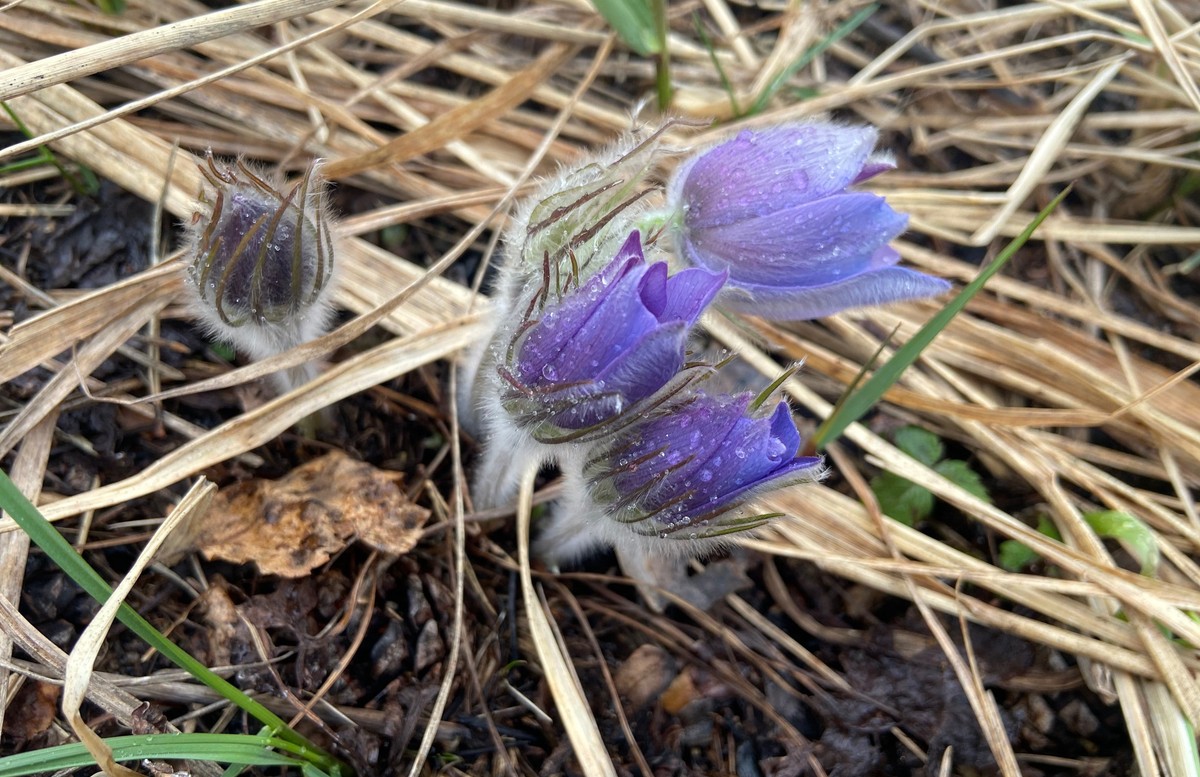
262	262
262	256
773	209
600	348
684	474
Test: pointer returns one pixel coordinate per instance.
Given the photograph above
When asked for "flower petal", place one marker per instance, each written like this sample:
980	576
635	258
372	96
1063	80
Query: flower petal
890	284
757	173
814	244
689	292
605	315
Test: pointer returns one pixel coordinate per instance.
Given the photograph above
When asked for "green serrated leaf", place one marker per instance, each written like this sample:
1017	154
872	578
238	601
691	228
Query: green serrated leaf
901	498
922	444
633	21
1016	555
960	474
1133	534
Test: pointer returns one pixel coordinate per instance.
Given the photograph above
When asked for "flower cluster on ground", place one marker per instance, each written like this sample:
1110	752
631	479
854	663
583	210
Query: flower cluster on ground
589	365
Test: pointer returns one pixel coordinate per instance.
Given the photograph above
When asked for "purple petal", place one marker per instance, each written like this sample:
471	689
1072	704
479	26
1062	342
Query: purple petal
653	289
648	365
814	244
686	438
891	284
757	173
783	428
588	326
689	293
878	163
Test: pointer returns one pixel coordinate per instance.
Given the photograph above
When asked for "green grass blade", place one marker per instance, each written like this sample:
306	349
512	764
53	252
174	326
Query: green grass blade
46	537
86	184
633	21
862	400
811	53
726	84
221	748
662	57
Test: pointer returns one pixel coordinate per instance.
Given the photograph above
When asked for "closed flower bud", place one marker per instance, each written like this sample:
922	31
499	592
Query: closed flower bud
683	474
587	355
586	211
775	210
262	261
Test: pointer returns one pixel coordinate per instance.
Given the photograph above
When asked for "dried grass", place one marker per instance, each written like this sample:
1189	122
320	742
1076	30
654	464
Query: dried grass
988	107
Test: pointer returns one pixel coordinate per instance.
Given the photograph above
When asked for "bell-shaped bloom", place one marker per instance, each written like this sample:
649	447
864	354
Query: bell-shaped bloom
775	209
602	347
686	473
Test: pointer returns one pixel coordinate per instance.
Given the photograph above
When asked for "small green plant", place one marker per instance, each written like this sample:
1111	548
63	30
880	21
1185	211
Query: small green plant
1133	534
909	502
83	180
1015	556
642	26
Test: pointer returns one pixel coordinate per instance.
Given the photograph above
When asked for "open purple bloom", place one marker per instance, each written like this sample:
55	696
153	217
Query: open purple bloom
774	210
684	473
604	346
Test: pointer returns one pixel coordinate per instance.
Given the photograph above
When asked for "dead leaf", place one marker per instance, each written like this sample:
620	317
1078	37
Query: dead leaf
290	526
644	675
32	712
220	615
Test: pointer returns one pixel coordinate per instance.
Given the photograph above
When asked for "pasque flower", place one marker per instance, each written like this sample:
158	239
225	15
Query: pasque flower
262	261
588	354
775	210
683	473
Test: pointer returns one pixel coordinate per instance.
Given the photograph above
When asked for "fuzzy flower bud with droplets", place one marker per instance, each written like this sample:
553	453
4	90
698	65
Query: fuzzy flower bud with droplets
262	262
683	474
586	211
592	353
775	210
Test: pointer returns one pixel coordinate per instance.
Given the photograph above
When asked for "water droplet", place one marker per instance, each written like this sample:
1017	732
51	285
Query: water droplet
549	372
705	475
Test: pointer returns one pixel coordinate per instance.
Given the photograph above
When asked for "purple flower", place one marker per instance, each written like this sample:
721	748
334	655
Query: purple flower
685	473
772	208
604	346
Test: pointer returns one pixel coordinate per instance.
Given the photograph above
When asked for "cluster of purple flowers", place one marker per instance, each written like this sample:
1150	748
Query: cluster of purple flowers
589	364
